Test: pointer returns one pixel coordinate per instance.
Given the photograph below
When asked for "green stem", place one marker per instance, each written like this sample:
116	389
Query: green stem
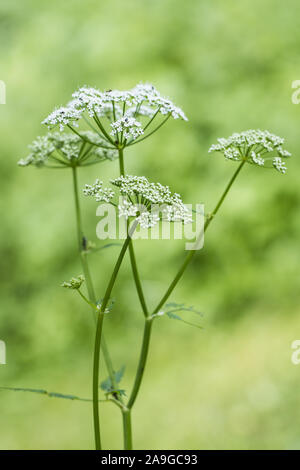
96	362
84	139
142	361
134	267
149	319
100	125
137	280
98	340
121	162
126	413
127	433
94	307
88	279
148	135
77	209
192	252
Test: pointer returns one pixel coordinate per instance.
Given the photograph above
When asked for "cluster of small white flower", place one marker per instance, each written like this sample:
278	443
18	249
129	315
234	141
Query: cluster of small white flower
40	150
257	159
63	116
147	202
144	217
142	100
279	164
129	127
63	148
252	146
101	194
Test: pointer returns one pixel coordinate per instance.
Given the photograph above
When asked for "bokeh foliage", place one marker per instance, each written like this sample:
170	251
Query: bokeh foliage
230	66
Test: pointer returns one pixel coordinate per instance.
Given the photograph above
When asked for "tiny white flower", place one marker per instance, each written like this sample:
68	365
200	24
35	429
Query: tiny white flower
279	164
61	148
63	116
256	158
253	146
147	202
101	194
122	108
128	126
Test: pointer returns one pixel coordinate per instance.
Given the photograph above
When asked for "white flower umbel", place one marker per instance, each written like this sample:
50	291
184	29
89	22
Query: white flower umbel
101	194
124	111
94	100
279	164
40	150
127	126
63	116
256	147
67	149
147	202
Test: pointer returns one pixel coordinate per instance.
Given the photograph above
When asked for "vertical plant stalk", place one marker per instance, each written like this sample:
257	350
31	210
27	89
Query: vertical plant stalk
126	412
142	361
98	339
127	433
134	267
137	281
149	319
87	275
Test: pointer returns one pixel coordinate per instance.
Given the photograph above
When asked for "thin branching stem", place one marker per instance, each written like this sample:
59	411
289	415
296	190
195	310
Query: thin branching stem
87	275
192	252
148	135
127	430
142	362
101	127
149	320
87	140
98	338
134	267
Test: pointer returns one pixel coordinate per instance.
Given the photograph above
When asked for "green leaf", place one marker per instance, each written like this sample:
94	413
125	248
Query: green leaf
107	385
108	245
44	392
33	390
173	316
119	374
173	308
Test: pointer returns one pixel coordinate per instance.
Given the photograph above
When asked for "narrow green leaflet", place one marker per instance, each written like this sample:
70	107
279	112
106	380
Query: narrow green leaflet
44	392
173	308
92	248
107	385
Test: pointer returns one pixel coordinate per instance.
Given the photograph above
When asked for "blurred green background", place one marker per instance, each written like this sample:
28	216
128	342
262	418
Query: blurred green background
230	66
